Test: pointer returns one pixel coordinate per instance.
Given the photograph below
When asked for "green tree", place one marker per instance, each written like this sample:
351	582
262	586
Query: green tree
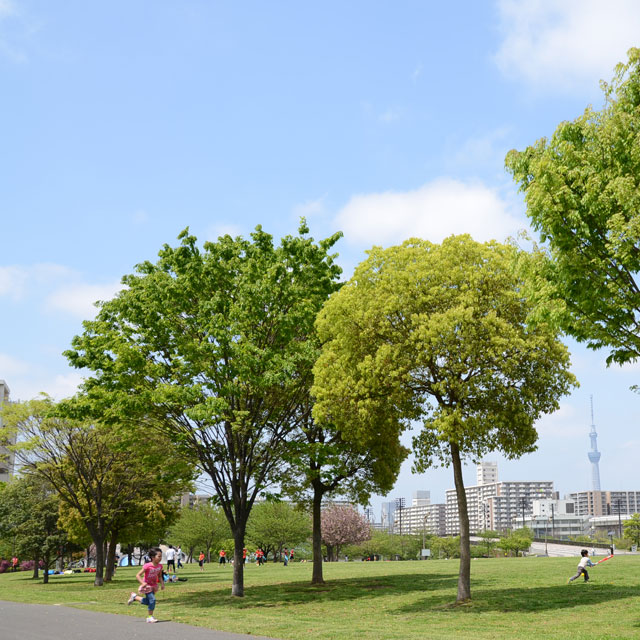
447	547
29	514
202	526
517	541
274	526
328	462
111	482
582	189
632	528
215	349
490	540
440	333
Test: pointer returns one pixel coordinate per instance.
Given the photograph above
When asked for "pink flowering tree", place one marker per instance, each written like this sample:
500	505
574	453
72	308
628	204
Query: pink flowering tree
343	525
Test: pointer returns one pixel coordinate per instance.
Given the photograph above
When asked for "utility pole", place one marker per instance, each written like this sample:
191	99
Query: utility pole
553	531
619	518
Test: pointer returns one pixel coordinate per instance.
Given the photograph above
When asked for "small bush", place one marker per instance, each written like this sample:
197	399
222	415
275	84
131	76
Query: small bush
4	565
26	565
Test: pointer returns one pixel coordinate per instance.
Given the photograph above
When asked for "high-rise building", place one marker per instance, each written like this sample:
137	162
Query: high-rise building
606	503
421	518
486	473
421	498
6	456
495	506
594	454
387	515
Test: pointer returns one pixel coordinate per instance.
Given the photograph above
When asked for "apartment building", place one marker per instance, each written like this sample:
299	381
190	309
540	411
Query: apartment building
606	503
496	505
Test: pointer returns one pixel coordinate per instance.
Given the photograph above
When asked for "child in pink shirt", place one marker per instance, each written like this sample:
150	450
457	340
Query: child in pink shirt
150	578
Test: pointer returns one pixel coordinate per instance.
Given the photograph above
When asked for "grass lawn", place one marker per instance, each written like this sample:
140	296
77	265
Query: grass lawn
512	598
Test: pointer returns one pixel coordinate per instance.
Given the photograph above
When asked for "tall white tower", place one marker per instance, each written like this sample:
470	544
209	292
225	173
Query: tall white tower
594	454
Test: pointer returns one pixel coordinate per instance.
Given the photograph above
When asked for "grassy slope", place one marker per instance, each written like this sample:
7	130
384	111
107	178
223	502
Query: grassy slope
512	598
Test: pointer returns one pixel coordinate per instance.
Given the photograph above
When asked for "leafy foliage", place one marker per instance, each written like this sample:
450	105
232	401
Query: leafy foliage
214	348
201	527
274	526
632	528
582	189
440	334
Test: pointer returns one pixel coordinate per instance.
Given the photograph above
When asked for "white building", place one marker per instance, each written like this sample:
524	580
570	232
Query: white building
555	519
495	506
421	518
7	458
486	473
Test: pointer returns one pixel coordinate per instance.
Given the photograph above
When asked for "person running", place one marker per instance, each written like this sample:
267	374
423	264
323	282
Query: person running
171	558
201	560
150	578
291	555
244	556
259	557
223	557
582	567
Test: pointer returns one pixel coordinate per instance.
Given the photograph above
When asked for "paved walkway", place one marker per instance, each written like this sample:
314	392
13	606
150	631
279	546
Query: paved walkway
50	622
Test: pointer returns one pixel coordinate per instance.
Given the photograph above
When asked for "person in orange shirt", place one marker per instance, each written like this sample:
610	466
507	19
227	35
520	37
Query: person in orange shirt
201	560
244	556
223	556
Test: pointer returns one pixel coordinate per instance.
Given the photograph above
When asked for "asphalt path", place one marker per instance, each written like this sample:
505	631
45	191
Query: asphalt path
20	621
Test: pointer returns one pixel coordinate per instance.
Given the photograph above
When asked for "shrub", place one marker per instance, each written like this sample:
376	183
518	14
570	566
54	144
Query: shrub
4	565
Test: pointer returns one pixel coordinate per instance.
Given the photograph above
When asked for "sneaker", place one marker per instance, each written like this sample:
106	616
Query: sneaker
151	619
132	598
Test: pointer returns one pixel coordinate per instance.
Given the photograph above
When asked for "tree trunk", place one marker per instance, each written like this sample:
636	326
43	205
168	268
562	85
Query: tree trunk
99	579
464	575
237	588
316	577
45	571
111	557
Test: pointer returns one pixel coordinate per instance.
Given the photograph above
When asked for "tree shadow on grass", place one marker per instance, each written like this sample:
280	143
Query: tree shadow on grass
335	590
527	599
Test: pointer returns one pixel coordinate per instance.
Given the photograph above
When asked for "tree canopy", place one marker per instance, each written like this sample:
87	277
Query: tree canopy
582	190
440	334
215	349
275	526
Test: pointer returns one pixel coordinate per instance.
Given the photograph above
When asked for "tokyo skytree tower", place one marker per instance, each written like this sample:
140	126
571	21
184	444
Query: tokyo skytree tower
594	454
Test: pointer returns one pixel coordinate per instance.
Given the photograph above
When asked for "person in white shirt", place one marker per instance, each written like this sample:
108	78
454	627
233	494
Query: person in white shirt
582	566
171	558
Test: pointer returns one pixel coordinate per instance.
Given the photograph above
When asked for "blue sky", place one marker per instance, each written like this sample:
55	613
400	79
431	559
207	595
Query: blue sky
121	123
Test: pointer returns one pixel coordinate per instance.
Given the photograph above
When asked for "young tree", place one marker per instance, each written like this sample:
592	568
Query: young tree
328	462
440	333
582	189
202	526
490	540
632	528
274	526
215	349
106	478
341	526
517	541
29	513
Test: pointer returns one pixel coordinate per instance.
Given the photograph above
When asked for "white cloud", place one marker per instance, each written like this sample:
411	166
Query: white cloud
563	423
433	212
79	299
562	45
310	208
10	366
17	281
484	150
